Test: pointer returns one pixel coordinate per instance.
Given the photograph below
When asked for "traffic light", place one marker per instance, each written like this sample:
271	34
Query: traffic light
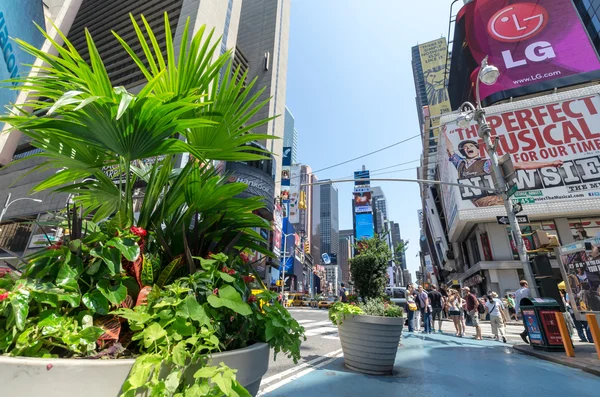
302	202
307	247
279	283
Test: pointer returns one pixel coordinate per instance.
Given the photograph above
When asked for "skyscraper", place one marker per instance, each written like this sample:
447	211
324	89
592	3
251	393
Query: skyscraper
290	135
346	252
263	35
379	201
329	233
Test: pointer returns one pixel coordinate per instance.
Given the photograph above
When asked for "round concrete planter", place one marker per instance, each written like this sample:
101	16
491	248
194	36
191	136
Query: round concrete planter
370	343
33	377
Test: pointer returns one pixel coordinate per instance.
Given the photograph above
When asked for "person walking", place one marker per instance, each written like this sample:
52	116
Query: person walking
343	293
495	308
454	310
473	310
444	292
521	293
411	308
425	309
511	307
437	306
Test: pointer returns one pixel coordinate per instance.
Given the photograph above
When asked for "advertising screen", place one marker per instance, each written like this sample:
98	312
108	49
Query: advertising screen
536	45
364	226
294	194
361	175
580	267
362	202
433	61
555	148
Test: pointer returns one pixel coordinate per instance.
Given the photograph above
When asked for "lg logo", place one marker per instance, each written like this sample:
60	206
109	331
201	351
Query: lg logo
519	22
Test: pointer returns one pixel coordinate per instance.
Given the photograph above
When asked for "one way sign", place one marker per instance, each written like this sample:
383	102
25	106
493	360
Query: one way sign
503	220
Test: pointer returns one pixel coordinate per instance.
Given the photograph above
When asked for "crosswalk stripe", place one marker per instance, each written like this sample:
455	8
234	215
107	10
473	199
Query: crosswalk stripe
333	337
321	330
306	321
318	323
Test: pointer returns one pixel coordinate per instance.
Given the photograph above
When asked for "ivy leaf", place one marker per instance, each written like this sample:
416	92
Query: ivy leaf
226	277
128	247
94	238
179	354
20	305
153	334
96	302
67	277
142	369
190	308
206	372
240	390
269	332
230	298
183	327
111	256
116	294
172	382
72	298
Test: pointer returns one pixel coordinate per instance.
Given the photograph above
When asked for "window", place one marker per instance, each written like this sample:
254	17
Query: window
398	293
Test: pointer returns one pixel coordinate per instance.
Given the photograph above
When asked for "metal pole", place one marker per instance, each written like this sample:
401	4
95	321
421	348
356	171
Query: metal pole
484	132
283	265
6	204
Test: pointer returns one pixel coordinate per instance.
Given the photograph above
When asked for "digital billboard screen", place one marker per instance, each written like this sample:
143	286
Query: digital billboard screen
537	46
364	226
362	202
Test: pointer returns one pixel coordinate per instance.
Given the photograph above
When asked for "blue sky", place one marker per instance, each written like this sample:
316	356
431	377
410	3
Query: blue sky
351	91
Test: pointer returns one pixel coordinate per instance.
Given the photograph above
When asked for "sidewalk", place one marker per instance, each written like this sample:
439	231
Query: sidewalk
586	358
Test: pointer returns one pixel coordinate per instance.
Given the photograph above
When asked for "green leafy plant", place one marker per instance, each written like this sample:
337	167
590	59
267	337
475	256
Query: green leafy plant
372	307
339	311
145	286
369	267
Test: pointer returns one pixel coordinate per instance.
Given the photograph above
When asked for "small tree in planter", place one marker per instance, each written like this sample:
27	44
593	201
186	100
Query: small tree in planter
370	330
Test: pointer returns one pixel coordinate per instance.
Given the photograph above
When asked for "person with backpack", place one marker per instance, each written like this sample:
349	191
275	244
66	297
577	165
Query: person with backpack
343	293
474	308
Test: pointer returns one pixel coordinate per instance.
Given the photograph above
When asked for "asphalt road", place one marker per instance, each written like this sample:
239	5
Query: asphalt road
322	342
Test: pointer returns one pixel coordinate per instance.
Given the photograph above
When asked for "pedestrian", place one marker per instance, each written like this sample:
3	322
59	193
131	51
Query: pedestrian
583	330
510	299
455	309
343	293
444	292
473	310
495	308
521	293
425	307
411	308
437	305
418	314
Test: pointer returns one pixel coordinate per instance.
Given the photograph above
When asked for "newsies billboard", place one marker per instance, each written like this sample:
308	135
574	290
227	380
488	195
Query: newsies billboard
554	143
537	45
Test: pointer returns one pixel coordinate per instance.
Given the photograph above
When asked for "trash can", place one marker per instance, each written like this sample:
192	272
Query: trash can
539	319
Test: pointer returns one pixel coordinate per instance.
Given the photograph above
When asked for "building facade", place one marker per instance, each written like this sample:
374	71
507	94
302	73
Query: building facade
263	36
290	135
346	252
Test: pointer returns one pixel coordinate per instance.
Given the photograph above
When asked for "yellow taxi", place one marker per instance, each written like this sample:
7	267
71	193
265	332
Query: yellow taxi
326	302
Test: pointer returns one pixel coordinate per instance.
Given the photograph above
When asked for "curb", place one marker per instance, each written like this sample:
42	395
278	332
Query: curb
567	361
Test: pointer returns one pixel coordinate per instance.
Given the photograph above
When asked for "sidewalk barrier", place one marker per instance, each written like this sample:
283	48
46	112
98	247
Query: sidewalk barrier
595	330
564	333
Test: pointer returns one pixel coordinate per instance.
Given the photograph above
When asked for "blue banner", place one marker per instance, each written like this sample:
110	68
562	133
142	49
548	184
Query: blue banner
364	226
288	246
16	21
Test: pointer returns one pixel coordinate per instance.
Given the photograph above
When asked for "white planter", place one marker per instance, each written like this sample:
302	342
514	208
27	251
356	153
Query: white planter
55	377
370	343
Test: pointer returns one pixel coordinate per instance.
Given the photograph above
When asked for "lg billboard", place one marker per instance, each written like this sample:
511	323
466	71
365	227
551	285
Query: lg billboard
537	45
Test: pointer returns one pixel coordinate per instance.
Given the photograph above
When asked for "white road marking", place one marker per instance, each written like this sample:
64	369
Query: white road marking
290	371
318	323
322	330
297	376
332	337
306	321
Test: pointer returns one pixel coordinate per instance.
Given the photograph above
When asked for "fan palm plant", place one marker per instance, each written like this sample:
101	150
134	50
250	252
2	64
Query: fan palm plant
192	104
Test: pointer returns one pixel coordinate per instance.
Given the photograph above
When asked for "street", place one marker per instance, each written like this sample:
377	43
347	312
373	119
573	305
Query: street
436	364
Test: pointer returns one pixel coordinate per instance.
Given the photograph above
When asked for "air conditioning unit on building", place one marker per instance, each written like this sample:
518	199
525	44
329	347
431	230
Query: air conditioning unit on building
543	239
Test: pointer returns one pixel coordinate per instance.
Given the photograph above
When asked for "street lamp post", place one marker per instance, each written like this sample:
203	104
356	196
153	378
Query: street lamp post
488	74
8	203
285	236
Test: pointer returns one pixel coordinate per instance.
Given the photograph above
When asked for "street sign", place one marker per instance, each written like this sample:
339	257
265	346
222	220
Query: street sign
517	207
525	200
503	220
512	190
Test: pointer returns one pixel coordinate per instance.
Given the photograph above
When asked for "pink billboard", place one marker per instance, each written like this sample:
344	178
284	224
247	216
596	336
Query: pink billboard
537	45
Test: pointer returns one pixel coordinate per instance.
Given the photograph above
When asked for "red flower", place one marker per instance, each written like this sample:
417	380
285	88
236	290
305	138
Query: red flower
209	255
353	303
3	296
138	231
251	299
231	272
55	246
248	279
215	291
225	269
244	257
